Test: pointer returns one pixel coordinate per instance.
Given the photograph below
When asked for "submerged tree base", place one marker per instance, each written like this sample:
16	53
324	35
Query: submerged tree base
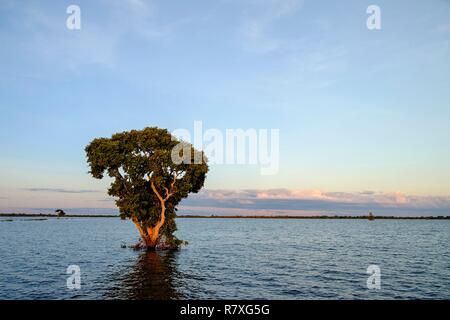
163	244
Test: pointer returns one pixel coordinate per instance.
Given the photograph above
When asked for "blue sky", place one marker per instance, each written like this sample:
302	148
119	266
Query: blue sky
363	115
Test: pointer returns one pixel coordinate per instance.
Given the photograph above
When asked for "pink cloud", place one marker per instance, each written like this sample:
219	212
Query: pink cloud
395	198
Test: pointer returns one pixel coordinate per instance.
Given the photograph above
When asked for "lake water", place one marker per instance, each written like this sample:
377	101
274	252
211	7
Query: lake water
227	259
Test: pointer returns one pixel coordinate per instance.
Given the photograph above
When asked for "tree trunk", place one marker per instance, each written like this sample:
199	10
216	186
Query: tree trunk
142	231
151	235
153	232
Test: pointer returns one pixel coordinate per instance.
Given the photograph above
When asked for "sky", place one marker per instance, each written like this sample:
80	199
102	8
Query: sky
363	115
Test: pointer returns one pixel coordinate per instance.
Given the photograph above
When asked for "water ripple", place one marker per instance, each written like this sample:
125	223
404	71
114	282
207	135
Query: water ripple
227	259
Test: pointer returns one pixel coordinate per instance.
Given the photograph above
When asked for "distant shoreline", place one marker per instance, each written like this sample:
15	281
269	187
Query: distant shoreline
31	215
320	217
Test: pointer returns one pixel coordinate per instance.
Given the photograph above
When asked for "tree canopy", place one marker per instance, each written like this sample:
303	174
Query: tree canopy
147	183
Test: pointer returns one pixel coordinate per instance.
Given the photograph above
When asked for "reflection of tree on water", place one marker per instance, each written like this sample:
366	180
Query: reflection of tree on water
151	277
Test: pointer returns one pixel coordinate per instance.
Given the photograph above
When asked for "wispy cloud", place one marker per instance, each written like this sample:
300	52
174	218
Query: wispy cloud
256	29
101	36
60	190
442	28
50	41
319	202
385	198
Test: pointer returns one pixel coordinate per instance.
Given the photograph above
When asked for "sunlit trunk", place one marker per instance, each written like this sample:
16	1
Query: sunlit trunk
151	235
153	232
142	231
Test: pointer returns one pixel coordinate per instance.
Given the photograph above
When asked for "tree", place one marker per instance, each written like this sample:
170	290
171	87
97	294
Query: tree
148	185
60	212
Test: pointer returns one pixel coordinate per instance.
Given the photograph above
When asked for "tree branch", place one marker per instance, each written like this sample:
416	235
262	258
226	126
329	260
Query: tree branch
156	192
169	192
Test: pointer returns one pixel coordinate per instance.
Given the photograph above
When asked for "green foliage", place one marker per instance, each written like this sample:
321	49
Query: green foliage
135	158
